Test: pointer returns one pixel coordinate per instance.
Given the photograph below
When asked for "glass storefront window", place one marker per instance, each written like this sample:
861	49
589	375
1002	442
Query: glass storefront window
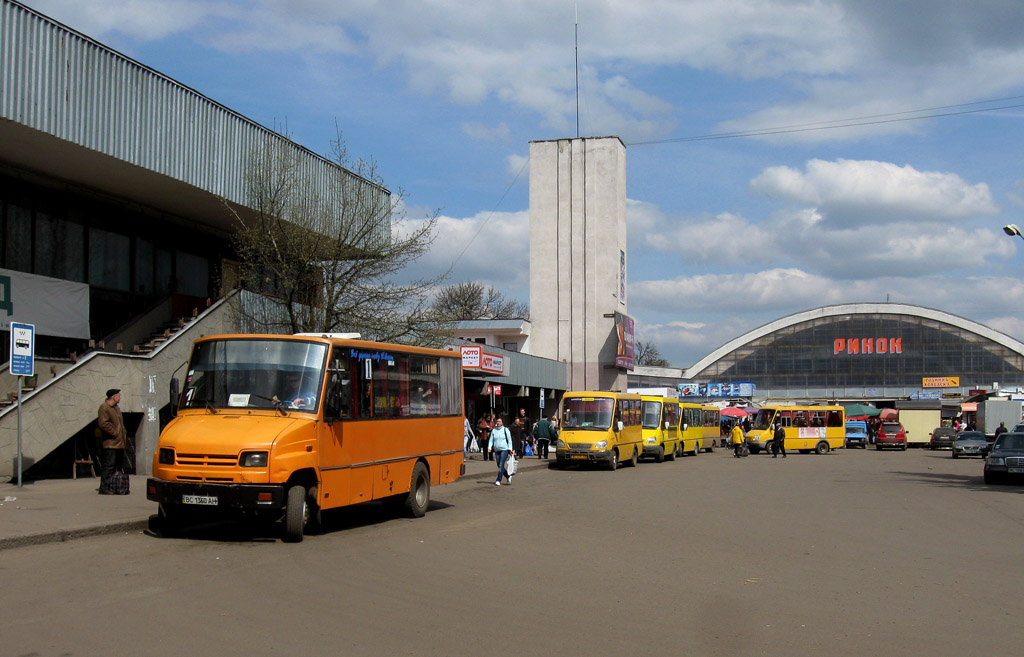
108	258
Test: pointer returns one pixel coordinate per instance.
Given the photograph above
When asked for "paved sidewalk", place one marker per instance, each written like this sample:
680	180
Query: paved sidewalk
54	510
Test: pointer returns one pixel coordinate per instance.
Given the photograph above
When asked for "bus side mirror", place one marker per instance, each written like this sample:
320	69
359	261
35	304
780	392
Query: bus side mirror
685	426
619	425
667	424
174	395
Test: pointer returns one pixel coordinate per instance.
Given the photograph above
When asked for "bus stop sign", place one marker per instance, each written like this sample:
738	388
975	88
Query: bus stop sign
23	347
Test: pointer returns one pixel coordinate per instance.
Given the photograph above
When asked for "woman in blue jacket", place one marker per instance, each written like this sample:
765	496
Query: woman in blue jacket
500	442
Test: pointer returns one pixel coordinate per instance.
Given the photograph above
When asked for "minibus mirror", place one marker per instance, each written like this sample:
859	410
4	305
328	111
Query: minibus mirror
685	426
173	395
619	424
667	424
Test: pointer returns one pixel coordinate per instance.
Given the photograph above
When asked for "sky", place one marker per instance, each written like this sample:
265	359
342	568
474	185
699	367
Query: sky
781	155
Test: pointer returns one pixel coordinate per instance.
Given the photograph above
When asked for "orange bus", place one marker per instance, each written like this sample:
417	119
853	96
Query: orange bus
282	427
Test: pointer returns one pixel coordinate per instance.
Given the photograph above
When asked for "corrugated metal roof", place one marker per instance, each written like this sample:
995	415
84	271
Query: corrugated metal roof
67	85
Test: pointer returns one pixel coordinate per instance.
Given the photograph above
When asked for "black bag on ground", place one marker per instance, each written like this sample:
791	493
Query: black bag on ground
119	483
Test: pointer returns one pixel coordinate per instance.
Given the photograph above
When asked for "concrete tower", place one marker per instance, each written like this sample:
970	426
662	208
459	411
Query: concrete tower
578	259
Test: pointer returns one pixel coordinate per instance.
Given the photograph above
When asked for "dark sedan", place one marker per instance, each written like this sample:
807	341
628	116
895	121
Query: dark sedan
942	438
970	443
1006	459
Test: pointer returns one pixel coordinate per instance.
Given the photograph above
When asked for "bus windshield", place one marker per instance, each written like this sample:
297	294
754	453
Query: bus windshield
764	418
255	373
593	413
651	414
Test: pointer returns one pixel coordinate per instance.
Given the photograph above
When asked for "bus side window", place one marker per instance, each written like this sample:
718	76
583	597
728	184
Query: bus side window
338	402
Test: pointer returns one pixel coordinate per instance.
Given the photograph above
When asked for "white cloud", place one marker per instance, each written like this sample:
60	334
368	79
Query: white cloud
492	248
852	191
518	166
481	132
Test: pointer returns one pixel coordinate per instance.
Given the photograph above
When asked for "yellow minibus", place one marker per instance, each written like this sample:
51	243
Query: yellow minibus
599	427
282	427
712	421
808	428
691	428
660	427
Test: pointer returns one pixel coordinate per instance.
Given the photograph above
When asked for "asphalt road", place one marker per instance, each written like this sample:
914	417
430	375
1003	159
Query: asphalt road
850	553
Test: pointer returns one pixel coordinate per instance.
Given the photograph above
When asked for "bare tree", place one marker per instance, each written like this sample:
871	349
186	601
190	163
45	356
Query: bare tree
647	354
471	300
322	243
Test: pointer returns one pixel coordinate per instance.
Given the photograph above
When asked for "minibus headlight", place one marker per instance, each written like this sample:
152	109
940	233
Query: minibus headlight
166	456
651	441
559	443
253	460
601	444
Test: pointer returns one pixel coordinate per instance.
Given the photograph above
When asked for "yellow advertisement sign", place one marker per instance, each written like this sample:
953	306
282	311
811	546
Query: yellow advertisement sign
940	382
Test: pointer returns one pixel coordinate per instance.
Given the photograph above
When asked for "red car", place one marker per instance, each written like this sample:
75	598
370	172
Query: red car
891	435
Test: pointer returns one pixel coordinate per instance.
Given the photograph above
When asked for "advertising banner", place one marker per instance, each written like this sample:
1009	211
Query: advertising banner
56	307
624	331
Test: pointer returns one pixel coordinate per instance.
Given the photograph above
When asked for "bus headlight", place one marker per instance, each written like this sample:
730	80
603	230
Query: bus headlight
601	444
651	441
253	460
559	443
166	456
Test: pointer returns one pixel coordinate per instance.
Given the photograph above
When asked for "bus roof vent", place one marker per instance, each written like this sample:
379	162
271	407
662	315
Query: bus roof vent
340	336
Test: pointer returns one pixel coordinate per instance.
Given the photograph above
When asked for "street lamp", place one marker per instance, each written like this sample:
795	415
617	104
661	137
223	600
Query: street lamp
1013	229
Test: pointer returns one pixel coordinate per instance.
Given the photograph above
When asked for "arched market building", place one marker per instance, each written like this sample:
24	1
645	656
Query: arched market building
870	351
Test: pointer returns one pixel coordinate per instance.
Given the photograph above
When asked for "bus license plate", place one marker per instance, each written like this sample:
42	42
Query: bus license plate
578	456
204	500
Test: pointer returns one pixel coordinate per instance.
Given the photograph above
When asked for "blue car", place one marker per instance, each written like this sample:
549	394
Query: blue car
857	434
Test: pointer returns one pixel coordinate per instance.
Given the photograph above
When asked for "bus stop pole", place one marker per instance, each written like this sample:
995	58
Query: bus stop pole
20	386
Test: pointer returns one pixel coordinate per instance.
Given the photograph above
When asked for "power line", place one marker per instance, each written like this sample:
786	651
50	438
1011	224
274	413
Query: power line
874	119
491	214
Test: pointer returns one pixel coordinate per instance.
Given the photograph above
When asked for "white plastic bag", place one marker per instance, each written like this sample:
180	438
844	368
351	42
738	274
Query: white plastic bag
511	465
474	446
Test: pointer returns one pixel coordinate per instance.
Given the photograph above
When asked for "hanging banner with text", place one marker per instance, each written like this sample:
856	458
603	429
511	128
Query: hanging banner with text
55	307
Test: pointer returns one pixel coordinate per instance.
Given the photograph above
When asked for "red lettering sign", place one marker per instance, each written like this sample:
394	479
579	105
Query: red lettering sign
867	346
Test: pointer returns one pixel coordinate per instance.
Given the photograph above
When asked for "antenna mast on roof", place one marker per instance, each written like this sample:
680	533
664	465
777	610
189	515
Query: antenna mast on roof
576	44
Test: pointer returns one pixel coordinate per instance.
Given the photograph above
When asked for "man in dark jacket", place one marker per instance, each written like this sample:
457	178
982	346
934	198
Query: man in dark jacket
544	432
779	440
113	439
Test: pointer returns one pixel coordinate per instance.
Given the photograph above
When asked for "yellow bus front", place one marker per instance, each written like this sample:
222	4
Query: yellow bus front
691	428
659	427
599	427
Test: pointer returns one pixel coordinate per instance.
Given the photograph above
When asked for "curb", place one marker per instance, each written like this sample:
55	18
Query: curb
63	535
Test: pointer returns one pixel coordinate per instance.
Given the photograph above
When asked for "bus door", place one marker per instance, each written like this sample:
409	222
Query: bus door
340	405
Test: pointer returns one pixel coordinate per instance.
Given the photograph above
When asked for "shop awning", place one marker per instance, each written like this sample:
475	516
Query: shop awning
969	406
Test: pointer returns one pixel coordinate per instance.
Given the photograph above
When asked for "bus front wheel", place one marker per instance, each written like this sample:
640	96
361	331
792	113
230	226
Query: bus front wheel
296	513
821	447
419	491
613	464
660	456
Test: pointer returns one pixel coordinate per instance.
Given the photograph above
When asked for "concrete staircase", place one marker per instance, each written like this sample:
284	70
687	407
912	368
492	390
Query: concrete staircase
64	405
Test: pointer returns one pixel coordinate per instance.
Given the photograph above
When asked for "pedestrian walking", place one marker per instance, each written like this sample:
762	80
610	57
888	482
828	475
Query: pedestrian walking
500	444
737	440
468	436
517	437
113	439
779	441
544	432
483	428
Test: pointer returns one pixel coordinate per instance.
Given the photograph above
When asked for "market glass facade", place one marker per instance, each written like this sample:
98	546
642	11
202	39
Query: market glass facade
867	349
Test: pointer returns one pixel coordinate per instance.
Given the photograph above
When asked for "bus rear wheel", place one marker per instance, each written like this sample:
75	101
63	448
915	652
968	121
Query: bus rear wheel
671	455
296	513
419	491
633	459
821	447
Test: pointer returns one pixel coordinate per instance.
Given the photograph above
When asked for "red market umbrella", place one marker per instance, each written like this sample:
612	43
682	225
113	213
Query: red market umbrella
733	411
889	414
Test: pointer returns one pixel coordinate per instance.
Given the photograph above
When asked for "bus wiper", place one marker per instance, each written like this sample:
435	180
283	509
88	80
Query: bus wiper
209	406
278	404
